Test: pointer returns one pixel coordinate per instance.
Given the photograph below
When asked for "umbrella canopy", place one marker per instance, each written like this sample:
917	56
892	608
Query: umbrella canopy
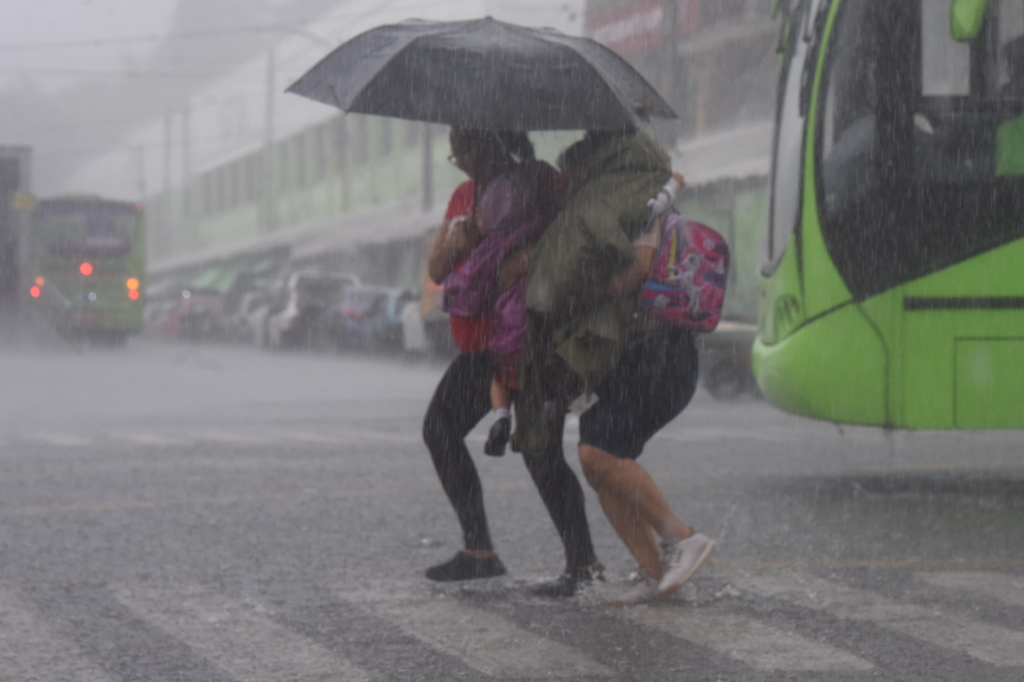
484	75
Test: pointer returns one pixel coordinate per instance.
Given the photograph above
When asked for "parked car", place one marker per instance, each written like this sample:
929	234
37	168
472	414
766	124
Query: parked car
248	321
198	316
371	318
299	315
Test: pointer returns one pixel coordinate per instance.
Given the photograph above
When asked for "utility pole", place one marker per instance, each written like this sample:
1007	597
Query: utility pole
269	203
341	148
166	217
669	45
140	164
186	176
669	61
428	167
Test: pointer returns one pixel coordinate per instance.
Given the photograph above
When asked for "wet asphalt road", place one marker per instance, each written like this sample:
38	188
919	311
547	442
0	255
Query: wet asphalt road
214	513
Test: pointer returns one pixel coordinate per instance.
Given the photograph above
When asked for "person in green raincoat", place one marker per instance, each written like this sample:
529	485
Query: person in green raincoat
587	334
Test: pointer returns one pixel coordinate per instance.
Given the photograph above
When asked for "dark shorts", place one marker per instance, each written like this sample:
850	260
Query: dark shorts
649	386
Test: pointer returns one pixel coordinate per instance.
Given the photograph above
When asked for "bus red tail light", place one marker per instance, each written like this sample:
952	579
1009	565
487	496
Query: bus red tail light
34	292
133	294
85	268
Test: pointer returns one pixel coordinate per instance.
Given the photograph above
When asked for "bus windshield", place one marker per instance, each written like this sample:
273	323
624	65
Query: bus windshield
921	154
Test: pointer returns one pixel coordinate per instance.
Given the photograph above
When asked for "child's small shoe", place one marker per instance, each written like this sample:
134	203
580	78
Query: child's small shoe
498	437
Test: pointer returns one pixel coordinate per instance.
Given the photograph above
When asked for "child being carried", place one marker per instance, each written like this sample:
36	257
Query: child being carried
514	211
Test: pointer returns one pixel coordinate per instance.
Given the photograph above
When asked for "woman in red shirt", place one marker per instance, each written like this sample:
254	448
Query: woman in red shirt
462	398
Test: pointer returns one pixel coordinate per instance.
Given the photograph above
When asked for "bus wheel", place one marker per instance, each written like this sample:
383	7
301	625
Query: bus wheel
726	380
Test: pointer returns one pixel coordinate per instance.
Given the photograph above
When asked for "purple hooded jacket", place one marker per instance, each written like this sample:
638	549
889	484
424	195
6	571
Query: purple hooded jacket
515	209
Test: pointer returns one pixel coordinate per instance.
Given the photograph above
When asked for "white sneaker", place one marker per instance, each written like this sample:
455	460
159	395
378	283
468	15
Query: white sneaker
683	562
643	590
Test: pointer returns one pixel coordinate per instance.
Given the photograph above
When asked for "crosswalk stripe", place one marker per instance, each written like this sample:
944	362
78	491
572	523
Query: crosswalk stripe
705	435
745	639
405	439
30	651
1002	586
313	438
227	438
149	439
60	440
483	641
238	636
992	644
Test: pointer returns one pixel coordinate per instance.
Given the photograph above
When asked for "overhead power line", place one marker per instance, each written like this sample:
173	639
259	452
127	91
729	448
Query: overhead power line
109	73
149	38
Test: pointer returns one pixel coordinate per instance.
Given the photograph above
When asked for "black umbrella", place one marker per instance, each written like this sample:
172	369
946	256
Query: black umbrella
486	75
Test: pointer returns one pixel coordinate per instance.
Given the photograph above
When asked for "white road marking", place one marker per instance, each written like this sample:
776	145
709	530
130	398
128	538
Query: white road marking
60	440
227	438
483	641
745	639
314	438
30	651
405	439
1002	586
149	439
990	643
706	434
238	637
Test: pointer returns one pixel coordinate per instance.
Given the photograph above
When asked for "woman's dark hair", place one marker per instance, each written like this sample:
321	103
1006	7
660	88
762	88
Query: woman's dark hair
515	146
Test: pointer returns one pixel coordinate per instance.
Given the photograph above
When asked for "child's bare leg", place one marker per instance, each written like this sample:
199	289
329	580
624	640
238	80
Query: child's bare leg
500	398
501	430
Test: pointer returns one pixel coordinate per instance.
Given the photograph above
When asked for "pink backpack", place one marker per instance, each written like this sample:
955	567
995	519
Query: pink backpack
687	282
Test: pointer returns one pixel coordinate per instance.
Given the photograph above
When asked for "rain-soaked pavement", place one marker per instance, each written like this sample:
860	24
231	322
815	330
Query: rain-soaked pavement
186	513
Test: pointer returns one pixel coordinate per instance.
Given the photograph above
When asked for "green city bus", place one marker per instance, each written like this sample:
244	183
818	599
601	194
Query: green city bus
892	282
88	266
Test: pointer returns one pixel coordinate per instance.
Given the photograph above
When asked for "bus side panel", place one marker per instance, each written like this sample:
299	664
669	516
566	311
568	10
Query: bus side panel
780	307
962	360
833	369
885	313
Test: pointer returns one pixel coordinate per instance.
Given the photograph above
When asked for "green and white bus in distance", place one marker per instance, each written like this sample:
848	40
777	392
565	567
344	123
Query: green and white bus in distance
892	281
89	262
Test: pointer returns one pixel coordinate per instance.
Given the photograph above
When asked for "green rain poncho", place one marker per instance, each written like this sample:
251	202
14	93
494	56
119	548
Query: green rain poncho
570	327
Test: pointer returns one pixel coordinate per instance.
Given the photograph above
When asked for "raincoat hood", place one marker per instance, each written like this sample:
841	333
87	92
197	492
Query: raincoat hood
592	239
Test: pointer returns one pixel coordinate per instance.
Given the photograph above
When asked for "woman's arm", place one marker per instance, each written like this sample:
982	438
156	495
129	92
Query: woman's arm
645	251
452	245
630	280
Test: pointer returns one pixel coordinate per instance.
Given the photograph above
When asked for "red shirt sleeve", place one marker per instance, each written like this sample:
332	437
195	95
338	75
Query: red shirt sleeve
461	203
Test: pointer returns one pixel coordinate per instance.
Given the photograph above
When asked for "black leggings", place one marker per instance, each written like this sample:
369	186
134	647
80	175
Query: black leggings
460	401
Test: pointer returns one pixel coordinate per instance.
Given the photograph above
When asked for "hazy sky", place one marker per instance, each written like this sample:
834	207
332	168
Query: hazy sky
46	21
35	21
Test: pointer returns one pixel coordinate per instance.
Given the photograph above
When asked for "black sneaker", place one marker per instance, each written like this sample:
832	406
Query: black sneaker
569	583
464	567
497	439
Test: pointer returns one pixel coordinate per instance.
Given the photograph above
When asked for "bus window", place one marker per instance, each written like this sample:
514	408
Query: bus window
1010	80
848	122
945	63
789	140
921	140
1009	159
